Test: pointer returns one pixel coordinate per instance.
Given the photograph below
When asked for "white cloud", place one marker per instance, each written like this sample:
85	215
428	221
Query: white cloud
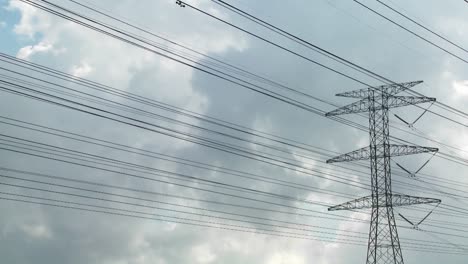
286	257
32	21
454	25
37	231
460	87
27	51
203	254
81	70
3	24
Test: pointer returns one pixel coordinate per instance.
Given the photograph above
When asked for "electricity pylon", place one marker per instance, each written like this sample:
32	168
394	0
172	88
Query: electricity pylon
383	244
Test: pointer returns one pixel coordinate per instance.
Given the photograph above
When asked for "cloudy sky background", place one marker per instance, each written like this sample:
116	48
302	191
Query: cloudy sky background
41	234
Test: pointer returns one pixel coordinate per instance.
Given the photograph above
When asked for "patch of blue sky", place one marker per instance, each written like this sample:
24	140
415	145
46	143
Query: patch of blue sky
10	42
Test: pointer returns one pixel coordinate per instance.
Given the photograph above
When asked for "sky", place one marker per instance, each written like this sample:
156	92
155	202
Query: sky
31	233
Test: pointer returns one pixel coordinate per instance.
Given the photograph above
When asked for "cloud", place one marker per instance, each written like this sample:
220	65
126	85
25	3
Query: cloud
79	237
203	254
37	231
3	24
31	22
285	257
81	70
460	88
27	51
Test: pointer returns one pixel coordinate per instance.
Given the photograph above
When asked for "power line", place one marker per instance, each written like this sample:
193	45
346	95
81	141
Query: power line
422	26
190	213
340	194
142	112
208	70
435	141
289	164
211	141
120	31
147	101
143	125
180	177
191	199
347	123
271	27
411	32
307	43
169	158
197	52
139	215
297	142
235	81
155	180
334	217
262	177
162	218
185	212
262	144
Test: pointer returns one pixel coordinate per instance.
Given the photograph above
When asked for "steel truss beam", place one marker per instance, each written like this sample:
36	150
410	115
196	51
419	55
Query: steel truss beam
389	89
393	102
395	150
395	201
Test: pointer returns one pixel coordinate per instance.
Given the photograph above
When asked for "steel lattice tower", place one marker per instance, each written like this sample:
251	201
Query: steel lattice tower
383	243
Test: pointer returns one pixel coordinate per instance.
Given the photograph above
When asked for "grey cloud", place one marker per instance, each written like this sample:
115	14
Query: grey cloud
79	237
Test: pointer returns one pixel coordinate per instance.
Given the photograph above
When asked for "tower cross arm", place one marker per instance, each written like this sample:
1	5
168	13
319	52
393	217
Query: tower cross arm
395	150
399	101
395	201
359	154
364	105
389	89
